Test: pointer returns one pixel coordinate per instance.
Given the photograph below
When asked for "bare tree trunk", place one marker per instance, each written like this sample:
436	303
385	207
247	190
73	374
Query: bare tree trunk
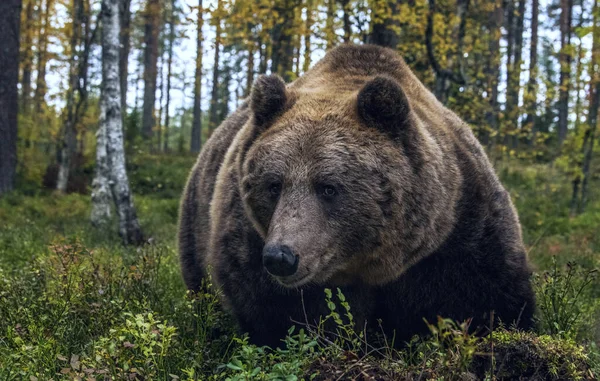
152	16
307	34
69	141
42	58
129	227
161	86
384	31
442	75
330	35
196	143
493	75
282	50
224	93
10	20
566	15
514	76
214	99
297	48
169	65
101	193
263	56
27	56
590	138
347	24
575	206
250	70
531	93
125	17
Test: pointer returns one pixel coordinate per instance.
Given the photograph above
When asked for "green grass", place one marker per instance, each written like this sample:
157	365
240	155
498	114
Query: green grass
75	303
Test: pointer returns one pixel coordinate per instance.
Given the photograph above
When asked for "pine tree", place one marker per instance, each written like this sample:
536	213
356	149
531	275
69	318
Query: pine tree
196	141
565	58
151	31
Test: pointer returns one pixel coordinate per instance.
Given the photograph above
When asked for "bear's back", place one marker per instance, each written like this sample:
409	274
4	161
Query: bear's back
195	224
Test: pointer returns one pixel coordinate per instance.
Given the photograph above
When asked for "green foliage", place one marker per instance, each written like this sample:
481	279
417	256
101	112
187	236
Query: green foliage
344	334
262	363
76	303
159	176
563	299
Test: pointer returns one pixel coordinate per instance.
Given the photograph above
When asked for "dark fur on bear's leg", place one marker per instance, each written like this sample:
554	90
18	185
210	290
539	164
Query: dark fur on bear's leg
479	273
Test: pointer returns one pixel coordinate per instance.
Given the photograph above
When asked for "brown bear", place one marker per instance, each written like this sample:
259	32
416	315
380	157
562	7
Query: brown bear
353	176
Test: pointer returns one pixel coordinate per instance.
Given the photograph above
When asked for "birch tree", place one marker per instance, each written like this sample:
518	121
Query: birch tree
111	173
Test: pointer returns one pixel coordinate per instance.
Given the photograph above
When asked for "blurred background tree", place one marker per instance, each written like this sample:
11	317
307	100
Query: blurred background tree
522	73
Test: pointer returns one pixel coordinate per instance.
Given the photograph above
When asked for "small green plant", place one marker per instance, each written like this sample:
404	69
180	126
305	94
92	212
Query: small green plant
339	328
137	348
563	303
262	363
456	346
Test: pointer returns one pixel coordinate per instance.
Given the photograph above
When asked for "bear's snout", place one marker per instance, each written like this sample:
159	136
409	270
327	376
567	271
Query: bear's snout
279	260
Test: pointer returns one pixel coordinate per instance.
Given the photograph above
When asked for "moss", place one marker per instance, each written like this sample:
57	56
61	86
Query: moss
514	354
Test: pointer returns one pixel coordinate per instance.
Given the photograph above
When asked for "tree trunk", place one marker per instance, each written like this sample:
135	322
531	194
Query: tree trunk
27	56
330	35
152	21
224	93
297	54
250	69
161	87
493	74
514	73
307	34
443	76
590	138
169	65
125	17
214	99
263	52
384	31
69	141
346	17
196	142
530	98
10	20
282	49
42	58
566	10
101	193
129	228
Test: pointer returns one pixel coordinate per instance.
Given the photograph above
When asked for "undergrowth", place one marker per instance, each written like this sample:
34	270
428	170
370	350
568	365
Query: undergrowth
75	304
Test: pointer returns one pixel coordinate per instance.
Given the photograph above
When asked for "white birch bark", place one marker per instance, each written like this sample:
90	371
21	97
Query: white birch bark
129	227
101	193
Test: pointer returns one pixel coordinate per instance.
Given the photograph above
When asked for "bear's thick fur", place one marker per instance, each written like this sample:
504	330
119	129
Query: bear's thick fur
356	177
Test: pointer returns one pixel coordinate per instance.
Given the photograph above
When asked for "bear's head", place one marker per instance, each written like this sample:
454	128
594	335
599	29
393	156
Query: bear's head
329	183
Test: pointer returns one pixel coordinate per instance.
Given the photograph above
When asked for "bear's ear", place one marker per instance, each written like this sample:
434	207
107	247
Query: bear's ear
268	98
382	104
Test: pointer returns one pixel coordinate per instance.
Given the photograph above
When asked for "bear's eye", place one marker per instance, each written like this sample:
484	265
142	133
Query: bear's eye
328	191
275	189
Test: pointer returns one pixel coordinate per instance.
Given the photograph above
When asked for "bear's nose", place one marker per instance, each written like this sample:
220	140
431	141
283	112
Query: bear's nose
279	260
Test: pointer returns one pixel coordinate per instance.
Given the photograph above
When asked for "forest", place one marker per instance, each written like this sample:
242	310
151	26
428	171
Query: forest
105	105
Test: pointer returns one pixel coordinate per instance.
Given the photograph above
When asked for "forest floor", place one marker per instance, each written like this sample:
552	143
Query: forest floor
76	304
